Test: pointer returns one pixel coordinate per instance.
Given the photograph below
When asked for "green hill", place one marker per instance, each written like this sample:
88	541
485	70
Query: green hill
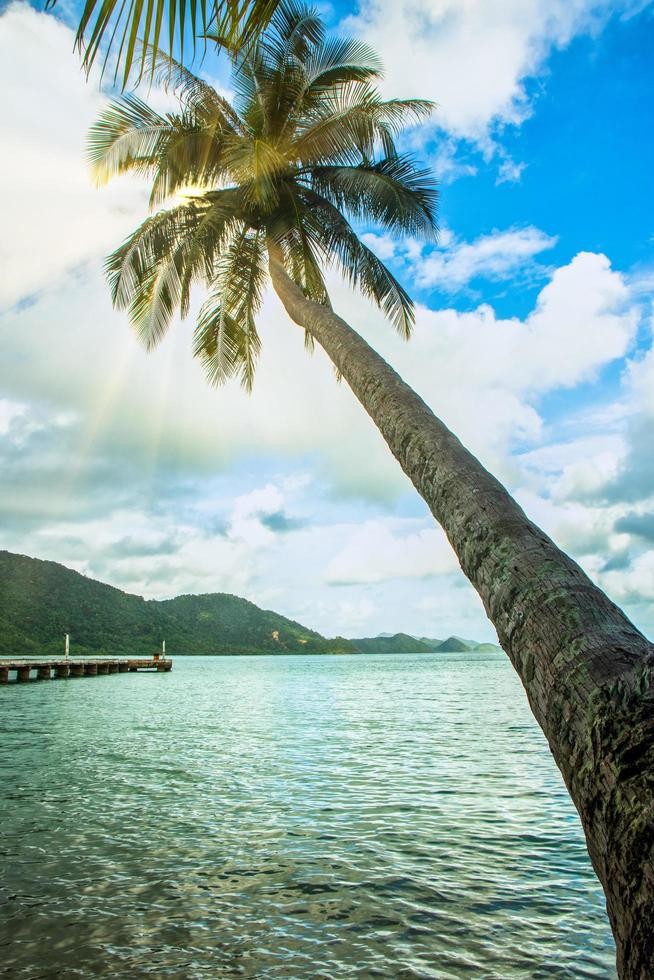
42	600
393	643
454	644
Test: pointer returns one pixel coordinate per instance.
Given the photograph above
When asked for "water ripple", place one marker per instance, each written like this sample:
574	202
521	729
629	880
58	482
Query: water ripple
295	817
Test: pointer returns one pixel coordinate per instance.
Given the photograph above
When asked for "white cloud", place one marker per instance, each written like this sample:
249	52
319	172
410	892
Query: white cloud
53	218
576	469
354	613
448	163
634	584
634	477
584	318
640	380
474	59
585	477
499	255
385	246
509	171
379	550
9	411
158	409
246	524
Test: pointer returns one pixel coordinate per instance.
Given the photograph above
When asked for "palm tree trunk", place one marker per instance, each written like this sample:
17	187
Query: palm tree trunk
588	672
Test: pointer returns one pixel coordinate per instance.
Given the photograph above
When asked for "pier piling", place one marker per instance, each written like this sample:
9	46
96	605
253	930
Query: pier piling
65	667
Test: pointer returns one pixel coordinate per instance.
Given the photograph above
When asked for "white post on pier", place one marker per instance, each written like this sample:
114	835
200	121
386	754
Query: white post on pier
163	649
67	646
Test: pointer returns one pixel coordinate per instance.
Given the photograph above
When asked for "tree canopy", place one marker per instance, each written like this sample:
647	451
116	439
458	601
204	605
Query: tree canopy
307	148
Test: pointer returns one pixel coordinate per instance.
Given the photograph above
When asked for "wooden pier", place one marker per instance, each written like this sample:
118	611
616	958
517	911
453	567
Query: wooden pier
48	668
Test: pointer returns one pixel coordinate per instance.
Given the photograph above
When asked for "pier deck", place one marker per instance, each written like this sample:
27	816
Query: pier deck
50	667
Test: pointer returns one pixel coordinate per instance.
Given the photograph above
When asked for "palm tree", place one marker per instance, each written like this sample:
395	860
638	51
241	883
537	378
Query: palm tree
308	145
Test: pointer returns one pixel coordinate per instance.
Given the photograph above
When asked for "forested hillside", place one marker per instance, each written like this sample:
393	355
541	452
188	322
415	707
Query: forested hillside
40	601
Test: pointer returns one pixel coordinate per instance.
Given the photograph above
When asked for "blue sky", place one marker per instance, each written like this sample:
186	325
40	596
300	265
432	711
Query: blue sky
533	337
589	156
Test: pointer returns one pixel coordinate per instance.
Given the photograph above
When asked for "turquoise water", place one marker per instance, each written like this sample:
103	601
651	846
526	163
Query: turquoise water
297	817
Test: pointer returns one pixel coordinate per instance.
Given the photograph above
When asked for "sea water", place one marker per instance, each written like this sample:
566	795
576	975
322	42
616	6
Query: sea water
291	816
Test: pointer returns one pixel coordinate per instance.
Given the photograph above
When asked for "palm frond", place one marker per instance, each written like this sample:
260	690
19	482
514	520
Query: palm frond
117	27
296	29
335	64
350	122
340	61
213	230
190	156
201	98
393	193
301	250
370	276
357	263
150	274
127	135
226	339
176	150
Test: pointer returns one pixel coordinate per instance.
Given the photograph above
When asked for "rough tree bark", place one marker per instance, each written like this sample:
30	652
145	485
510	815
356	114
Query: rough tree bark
588	672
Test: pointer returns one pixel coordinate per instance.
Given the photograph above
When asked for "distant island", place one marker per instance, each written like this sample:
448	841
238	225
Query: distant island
42	600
